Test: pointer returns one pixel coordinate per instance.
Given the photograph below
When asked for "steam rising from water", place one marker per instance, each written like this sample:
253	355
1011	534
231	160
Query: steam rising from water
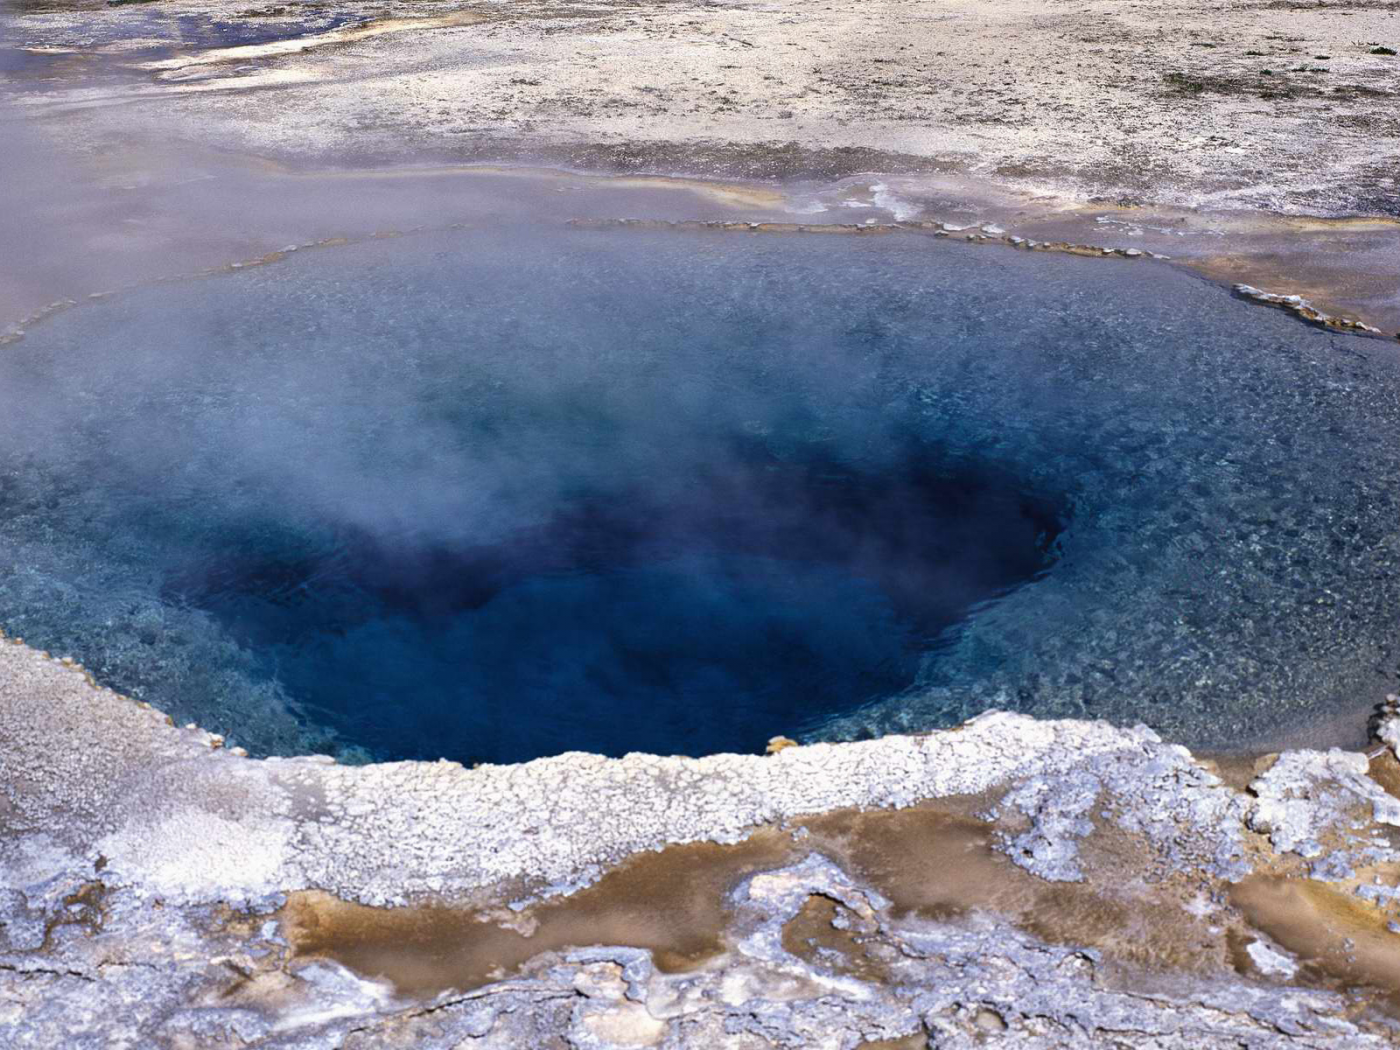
493	509
496	496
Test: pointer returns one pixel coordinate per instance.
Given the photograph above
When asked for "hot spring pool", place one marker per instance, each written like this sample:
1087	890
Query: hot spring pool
491	496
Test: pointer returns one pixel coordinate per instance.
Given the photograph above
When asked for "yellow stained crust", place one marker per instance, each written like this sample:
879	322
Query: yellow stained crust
934	862
1340	940
671	903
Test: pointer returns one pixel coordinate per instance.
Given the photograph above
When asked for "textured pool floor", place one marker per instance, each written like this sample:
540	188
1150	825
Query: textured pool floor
199	481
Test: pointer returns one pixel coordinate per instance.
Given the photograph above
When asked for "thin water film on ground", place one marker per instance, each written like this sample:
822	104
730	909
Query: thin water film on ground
491	496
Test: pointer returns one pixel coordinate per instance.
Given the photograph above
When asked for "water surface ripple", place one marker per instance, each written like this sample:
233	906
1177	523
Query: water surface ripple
492	496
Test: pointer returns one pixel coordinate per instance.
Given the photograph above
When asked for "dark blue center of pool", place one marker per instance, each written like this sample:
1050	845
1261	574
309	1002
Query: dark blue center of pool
687	613
495	496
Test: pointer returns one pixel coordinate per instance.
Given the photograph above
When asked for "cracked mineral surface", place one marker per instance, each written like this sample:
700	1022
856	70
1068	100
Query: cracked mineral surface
1011	882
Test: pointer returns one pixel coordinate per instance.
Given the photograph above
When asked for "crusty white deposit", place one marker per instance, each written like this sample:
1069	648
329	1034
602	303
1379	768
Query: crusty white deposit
123	839
190	822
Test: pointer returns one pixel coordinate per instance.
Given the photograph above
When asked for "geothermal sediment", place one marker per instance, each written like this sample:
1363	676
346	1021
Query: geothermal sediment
1185	104
1025	882
1263	155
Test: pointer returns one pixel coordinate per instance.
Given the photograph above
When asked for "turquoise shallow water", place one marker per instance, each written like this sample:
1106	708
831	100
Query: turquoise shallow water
492	496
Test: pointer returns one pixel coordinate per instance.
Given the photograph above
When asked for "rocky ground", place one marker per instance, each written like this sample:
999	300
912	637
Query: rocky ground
1246	138
1009	883
1275	105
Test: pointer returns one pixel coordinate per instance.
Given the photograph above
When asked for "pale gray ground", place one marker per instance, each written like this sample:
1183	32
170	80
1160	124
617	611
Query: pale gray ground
1266	105
145	867
1235	137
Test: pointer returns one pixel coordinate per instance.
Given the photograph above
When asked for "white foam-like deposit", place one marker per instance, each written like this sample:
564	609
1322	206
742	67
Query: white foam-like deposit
175	817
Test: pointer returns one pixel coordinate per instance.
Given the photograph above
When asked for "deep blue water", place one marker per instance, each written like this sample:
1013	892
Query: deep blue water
643	611
492	496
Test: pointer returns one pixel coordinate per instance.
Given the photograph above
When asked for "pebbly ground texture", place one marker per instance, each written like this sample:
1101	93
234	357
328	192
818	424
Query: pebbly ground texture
1276	106
1010	883
1256	141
